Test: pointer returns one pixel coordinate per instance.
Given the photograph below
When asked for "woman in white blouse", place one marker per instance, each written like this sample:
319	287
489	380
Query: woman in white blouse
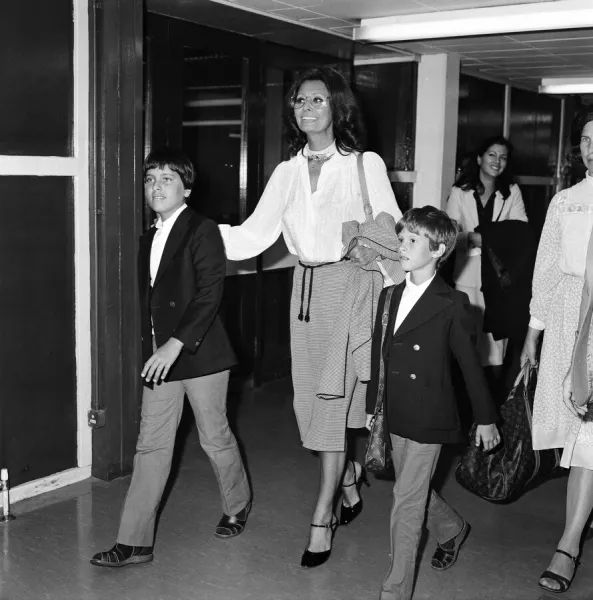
484	192
557	289
307	199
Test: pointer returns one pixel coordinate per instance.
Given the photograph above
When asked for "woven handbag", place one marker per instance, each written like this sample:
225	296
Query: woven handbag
507	472
377	457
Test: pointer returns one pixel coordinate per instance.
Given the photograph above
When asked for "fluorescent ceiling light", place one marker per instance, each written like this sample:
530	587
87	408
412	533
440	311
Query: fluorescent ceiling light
540	16
567	85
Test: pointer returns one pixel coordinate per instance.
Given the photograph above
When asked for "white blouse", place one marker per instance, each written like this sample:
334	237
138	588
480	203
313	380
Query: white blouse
311	222
563	245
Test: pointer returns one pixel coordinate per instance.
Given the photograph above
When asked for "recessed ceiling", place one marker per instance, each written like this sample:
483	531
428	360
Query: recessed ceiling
522	59
519	58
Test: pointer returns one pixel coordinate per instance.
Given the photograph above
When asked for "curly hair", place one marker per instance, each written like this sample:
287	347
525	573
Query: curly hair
469	179
348	127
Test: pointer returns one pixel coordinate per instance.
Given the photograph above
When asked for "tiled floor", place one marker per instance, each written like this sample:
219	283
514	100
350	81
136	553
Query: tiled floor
44	554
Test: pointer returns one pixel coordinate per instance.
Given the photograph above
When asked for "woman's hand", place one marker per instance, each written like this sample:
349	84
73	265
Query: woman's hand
361	255
567	396
369	421
474	240
488	436
529	352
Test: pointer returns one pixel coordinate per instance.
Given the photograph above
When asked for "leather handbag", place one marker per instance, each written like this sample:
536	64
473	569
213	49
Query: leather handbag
377	457
504	474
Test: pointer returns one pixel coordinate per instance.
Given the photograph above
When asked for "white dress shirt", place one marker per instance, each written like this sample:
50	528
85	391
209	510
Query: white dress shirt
410	296
311	222
163	229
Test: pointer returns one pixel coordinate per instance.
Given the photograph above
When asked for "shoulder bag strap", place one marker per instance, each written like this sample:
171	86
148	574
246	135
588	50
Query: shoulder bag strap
384	322
368	209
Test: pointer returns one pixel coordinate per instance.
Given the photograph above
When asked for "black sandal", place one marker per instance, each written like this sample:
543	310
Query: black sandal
446	554
562	581
231	526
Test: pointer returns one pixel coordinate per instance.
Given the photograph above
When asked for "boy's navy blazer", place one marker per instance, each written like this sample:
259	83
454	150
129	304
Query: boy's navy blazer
185	299
420	399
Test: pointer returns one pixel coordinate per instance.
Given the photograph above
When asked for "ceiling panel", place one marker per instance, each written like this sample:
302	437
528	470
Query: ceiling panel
303	23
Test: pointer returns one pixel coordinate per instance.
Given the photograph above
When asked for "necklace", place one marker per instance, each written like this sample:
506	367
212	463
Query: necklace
321	156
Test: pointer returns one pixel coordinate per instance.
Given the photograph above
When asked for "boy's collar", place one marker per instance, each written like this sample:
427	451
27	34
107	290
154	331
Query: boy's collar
159	223
417	286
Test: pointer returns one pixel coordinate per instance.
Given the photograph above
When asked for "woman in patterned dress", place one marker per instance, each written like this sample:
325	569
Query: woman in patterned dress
557	289
307	199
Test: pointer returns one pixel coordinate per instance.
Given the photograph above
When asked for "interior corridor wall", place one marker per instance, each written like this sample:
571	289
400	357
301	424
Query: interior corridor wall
387	94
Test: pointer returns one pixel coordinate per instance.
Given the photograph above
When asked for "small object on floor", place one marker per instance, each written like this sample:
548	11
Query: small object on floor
231	526
445	555
349	513
315	559
562	581
4	489
121	555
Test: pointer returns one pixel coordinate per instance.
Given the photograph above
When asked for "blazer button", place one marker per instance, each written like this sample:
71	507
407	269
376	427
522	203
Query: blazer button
172	304
416	347
412	376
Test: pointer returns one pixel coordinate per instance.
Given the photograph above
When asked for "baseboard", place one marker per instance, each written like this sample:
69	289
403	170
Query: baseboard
48	484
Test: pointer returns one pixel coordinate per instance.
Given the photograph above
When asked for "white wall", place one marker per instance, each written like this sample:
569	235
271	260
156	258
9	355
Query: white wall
437	109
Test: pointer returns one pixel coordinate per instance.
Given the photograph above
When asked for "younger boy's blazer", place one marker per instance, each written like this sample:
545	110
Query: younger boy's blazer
185	299
420	399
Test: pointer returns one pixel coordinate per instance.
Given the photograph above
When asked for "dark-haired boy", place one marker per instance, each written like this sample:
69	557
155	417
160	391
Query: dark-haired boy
429	326
186	351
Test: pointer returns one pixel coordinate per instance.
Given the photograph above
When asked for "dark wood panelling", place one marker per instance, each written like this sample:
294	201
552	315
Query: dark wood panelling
226	18
536	199
237	312
37	354
37	80
481	113
116	224
387	94
534	131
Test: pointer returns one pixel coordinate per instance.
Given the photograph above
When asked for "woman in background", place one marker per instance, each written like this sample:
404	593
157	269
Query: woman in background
483	193
307	199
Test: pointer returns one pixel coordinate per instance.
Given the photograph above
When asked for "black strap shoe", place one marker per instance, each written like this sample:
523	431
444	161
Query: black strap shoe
121	555
446	554
229	527
563	582
349	513
315	559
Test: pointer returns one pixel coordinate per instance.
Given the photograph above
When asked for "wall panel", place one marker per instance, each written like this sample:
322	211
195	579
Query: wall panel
481	113
36	103
37	354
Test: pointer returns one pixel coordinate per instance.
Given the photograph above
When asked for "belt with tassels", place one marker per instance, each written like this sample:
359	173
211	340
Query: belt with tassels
310	268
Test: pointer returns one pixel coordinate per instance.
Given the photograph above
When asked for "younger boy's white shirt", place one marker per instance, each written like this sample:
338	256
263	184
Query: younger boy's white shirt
410	296
163	229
